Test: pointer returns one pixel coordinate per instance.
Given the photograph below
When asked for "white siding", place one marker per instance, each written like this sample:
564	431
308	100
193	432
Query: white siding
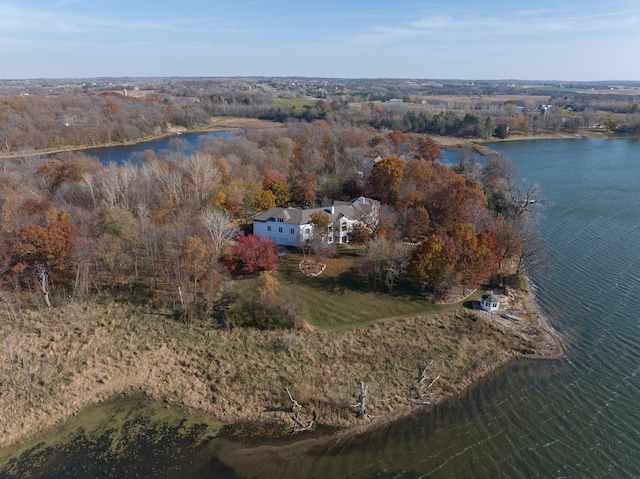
280	233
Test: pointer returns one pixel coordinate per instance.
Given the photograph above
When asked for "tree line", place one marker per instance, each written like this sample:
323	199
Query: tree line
165	228
92	114
30	123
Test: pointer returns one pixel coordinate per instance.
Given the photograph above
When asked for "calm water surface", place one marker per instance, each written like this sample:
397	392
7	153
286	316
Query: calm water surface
120	154
576	418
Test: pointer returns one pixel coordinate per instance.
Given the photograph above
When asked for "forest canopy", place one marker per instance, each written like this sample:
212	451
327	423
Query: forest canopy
169	221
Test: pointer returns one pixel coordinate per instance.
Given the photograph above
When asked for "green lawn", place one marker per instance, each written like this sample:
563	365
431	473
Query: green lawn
339	298
299	102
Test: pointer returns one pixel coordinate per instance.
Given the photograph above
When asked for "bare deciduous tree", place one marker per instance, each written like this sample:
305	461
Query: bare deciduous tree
220	226
532	256
202	176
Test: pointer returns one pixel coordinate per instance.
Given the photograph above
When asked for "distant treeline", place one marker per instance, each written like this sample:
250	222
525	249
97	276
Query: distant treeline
95	114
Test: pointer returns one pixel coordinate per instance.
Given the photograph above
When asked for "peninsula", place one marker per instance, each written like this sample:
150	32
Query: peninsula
131	278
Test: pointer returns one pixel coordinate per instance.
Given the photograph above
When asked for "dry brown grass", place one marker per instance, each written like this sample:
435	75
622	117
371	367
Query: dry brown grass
244	123
55	363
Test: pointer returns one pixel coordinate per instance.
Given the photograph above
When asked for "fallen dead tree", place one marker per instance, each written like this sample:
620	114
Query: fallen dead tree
299	424
426	375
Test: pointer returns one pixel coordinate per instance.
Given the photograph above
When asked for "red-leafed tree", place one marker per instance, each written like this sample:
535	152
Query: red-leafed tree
252	254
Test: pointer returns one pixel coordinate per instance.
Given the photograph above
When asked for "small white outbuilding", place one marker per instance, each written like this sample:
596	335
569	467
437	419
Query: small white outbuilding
490	303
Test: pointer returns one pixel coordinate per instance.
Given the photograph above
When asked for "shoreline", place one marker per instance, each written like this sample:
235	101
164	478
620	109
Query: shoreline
218	124
553	349
238	453
221	124
481	145
159	373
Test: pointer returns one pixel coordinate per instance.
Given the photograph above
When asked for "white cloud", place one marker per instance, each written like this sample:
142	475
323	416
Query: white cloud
26	20
519	23
433	23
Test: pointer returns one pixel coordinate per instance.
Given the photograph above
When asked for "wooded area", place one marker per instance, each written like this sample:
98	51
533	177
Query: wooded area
46	114
164	229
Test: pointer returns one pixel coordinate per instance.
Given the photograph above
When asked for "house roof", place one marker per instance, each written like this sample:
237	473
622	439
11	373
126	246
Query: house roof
352	210
490	298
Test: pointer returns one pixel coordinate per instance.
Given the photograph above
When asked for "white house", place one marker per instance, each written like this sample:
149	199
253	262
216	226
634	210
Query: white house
490	303
292	226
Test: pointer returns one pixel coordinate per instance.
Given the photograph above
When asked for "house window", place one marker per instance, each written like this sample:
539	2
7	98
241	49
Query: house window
280	220
268	228
280	229
329	239
292	231
344	226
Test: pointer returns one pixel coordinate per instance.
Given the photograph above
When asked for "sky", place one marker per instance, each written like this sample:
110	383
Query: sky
564	40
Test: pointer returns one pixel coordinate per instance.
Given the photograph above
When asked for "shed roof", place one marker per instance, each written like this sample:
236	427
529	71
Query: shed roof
490	298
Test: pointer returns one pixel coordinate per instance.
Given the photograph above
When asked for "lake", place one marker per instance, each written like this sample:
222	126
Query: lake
574	418
121	153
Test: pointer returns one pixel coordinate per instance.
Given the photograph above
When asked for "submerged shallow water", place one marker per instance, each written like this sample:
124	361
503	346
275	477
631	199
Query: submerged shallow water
574	418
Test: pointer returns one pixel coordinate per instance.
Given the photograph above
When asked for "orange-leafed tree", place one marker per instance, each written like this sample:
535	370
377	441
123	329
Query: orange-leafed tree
52	245
305	188
488	255
458	201
277	183
429	149
428	263
419	182
45	249
386	178
459	256
461	244
398	140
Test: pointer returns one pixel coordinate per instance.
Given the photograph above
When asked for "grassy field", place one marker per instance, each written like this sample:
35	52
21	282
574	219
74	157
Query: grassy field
57	362
340	298
297	102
